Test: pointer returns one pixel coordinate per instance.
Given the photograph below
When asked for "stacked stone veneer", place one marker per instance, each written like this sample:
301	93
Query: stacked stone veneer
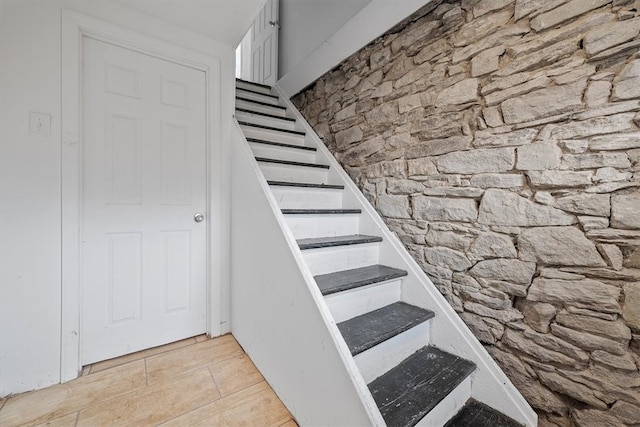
500	140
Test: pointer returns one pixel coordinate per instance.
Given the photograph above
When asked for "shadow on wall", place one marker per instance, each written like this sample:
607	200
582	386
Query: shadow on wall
500	140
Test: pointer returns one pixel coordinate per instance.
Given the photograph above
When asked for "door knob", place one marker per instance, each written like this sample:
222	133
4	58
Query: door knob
198	217
274	24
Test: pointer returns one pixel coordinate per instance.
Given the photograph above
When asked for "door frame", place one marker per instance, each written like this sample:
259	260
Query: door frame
74	28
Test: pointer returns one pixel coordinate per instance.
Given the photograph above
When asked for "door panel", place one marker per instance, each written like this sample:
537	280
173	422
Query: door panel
143	257
264	45
176	258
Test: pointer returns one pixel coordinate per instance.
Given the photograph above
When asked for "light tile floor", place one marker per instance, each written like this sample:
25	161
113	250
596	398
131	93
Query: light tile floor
193	382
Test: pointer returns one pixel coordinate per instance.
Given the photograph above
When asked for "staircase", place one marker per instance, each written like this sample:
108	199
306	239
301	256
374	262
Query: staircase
420	364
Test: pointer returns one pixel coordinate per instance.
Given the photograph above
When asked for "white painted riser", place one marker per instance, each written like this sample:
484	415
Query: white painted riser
273	136
282	153
255	88
449	406
260	108
328	260
355	302
388	354
306	226
307	198
276	172
257	97
267	121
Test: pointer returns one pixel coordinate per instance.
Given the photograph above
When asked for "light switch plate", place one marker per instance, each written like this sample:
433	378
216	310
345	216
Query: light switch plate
39	124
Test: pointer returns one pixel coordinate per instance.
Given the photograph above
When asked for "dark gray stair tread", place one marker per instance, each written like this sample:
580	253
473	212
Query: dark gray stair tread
327	242
271	116
370	329
257	92
478	414
320	211
266	104
280	144
253	83
339	281
295	132
291	163
407	393
305	185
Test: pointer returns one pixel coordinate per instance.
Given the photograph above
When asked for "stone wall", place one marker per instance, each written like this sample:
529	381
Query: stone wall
500	140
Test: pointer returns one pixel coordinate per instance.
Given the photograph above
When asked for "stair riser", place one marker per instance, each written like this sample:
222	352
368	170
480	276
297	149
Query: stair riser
354	302
266	121
388	354
276	172
328	260
256	97
449	406
282	153
260	108
307	198
255	88
274	136
307	226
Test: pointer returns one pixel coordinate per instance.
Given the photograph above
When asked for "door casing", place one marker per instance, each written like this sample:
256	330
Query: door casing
74	28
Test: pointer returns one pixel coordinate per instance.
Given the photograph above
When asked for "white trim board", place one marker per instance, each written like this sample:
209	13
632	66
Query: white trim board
74	27
373	20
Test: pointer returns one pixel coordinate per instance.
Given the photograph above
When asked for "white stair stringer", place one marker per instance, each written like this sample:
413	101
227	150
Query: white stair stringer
278	314
488	383
289	313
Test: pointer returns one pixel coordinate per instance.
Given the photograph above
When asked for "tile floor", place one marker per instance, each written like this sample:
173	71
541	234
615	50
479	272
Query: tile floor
193	382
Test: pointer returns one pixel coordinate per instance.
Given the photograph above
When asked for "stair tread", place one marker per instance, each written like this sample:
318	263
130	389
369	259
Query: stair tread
291	163
320	211
296	132
257	92
253	83
327	242
271	116
370	329
477	414
407	393
281	144
305	185
350	279
266	104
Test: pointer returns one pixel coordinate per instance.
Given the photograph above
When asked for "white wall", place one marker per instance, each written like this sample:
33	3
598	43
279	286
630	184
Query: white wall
305	24
30	200
30	203
310	51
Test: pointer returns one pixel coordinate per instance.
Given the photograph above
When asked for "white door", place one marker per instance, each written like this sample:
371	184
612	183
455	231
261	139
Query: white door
143	256
264	45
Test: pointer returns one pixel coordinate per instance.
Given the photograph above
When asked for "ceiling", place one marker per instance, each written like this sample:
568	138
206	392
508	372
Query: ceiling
224	20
